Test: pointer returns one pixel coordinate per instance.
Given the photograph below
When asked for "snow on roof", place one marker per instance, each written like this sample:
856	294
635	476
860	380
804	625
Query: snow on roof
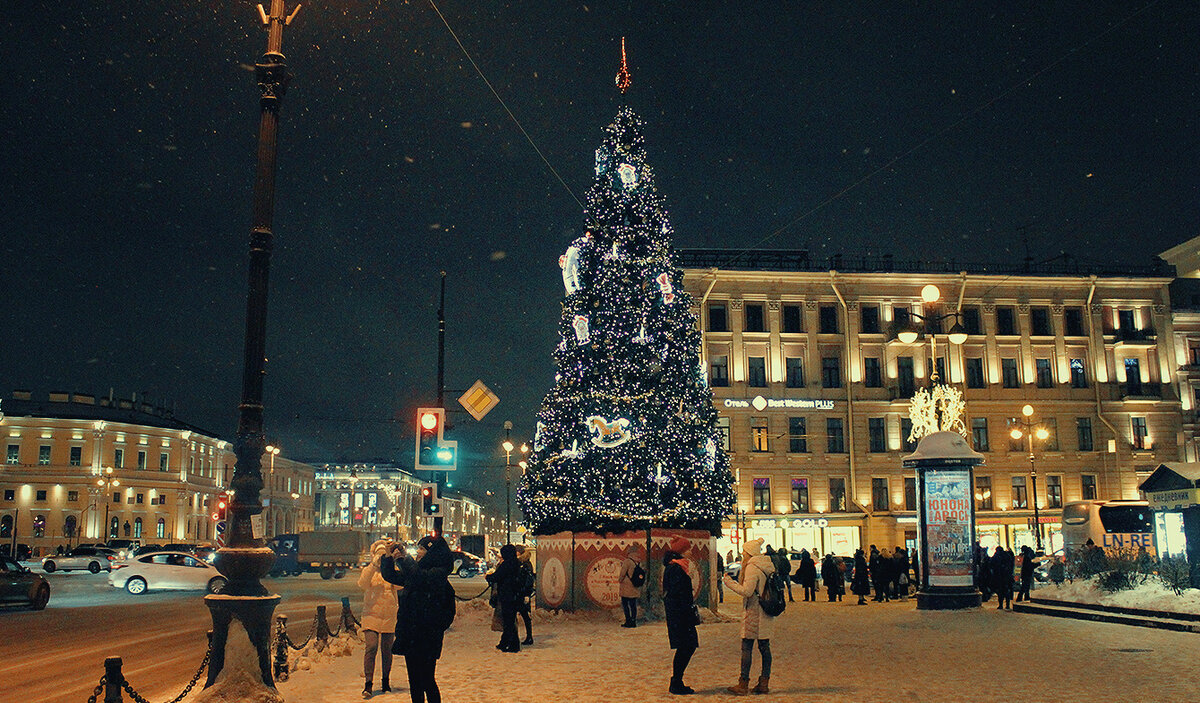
943	445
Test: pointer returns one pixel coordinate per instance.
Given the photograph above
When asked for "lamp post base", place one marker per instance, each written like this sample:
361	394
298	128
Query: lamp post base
949	599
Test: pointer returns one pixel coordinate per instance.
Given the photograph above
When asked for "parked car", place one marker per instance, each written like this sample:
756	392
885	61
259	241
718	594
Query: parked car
467	564
147	548
24	551
94	559
20	585
124	547
178	547
165	570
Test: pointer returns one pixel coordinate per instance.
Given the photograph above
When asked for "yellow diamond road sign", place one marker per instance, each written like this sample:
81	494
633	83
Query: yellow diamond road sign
479	400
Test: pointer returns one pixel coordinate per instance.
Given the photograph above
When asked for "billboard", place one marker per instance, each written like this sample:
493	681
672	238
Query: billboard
949	528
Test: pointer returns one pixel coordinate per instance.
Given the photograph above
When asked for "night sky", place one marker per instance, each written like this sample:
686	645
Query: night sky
922	129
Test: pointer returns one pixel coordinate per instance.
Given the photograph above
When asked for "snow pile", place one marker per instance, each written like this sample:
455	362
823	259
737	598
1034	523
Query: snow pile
240	680
312	653
1151	595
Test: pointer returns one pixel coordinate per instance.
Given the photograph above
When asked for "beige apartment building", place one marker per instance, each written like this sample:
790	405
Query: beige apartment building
812	384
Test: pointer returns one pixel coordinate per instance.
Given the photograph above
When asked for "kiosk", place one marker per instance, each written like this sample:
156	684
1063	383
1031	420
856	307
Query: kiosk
1173	491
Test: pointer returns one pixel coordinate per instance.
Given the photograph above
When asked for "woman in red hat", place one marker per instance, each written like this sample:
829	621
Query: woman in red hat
681	612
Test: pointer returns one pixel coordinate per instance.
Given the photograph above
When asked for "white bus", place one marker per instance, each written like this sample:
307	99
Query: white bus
1114	525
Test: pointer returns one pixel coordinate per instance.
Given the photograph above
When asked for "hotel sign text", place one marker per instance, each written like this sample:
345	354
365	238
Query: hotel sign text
761	403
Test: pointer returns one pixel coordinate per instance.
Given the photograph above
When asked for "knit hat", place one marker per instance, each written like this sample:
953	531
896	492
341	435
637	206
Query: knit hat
679	545
753	548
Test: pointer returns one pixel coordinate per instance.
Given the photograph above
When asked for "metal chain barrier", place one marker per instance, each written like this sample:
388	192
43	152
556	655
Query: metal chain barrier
99	689
308	639
113	678
191	684
480	594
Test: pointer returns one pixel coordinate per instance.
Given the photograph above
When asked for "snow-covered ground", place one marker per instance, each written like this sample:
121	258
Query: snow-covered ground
1151	595
822	652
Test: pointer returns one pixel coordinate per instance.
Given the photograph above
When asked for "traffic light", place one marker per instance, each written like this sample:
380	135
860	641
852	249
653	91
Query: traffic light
222	507
429	499
433	453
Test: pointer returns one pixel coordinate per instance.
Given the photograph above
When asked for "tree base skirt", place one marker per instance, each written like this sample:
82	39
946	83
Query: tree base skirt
580	571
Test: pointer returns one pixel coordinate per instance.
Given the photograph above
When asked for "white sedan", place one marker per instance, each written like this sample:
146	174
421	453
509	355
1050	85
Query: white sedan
165	570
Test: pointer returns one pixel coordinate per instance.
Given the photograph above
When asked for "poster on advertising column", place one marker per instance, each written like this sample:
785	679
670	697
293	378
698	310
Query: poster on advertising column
948	527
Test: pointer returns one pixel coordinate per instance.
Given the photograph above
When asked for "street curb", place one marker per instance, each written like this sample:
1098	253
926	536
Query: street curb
1178	622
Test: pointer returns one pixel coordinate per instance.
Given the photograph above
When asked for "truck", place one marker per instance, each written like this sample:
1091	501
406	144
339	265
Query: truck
475	544
330	554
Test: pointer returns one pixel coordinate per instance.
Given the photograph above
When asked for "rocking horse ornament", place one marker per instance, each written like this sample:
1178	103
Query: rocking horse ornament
608	434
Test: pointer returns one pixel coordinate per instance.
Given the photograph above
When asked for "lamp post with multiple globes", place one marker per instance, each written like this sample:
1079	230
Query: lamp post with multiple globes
107	481
1028	428
508	447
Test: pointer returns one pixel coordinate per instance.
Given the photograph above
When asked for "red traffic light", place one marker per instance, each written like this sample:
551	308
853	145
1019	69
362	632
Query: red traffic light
426	491
429	421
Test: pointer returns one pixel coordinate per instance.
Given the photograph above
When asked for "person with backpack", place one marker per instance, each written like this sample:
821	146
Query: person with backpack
783	567
528	584
378	619
633	577
506	583
425	610
762	593
680	610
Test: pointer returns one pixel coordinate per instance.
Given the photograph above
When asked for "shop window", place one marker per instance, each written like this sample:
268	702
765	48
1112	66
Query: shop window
829	319
793	319
799	495
1054	491
975	377
76	458
794	366
757	372
831	372
758	435
718	319
1083	432
754	317
910	493
719	376
983	493
872	372
762	496
979	434
870	319
837	495
877	435
1020	495
797	435
835	441
879	494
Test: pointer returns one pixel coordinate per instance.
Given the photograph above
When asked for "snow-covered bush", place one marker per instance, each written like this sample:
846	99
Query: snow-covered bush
1175	573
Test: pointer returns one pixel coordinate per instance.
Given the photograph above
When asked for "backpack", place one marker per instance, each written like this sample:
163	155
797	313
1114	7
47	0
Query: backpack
638	577
773	599
527	581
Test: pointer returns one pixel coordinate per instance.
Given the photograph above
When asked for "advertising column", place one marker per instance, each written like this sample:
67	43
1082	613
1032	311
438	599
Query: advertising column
946	521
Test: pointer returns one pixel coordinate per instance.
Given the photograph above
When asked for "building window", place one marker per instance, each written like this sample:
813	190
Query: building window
831	372
718	319
905	377
1073	322
119	458
1087	484
1078	374
39	526
141	461
40	496
983	493
1020	497
797	435
870	319
1083	432
793	319
837	495
69	526
1133	377
1017	444
794	366
1137	425
879	494
910	493
900	317
975	377
762	495
938	367
116	496
1006	320
970	321
758	434
757	372
160	529
72	496
141	498
905	432
14	454
979	434
829	319
1008	373
44	455
6	525
76	458
1044	378
719	378
723	430
1039	322
835	442
114	526
137	528
1050	444
799	495
1054	491
1125	322
162	461
754	318
872	372
877	435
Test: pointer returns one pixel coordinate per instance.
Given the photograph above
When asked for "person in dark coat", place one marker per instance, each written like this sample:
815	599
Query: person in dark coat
1027	558
506	581
879	574
528	585
831	576
783	565
680	611
899	573
425	609
861	585
1001	567
806	576
916	570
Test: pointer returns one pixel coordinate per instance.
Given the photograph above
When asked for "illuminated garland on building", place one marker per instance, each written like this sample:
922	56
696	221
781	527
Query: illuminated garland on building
627	437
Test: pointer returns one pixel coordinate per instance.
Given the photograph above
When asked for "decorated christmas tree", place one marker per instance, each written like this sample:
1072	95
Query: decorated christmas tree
627	437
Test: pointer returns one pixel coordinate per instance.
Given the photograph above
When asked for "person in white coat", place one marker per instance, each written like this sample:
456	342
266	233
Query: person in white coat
378	620
756	570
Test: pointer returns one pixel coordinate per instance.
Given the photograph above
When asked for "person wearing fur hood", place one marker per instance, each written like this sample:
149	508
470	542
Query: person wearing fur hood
378	618
756	570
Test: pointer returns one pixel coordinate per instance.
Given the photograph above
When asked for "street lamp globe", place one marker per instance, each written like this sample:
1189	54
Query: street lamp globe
908	335
958	334
1042	433
930	293
508	446
1027	411
1016	434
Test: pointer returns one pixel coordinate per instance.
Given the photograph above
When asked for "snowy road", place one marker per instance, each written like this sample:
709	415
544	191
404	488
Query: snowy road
57	655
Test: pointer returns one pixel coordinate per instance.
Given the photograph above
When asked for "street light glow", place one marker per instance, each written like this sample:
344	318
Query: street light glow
508	446
429	421
930	293
1027	411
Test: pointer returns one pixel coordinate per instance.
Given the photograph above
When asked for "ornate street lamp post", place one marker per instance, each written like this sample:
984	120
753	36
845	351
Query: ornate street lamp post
1029	428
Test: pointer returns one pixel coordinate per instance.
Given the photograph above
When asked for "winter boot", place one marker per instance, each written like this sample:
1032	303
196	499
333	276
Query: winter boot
679	688
741	689
763	685
384	685
367	690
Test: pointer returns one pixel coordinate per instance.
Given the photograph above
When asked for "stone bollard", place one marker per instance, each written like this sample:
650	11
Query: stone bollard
323	633
281	648
348	623
113	678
